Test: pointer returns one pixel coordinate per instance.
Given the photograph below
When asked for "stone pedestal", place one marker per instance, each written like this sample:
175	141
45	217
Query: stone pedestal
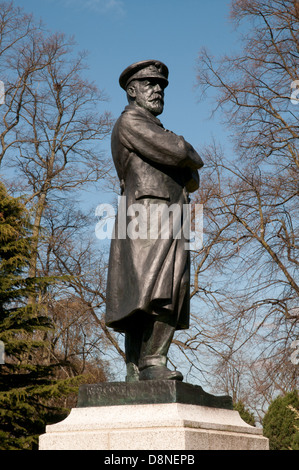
168	422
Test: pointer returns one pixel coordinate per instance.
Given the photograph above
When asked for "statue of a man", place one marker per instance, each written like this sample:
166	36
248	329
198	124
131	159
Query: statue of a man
149	277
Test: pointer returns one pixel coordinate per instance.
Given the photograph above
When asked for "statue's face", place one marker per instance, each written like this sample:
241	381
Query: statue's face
149	94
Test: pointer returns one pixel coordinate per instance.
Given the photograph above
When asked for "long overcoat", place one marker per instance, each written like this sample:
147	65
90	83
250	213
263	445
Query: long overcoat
150	273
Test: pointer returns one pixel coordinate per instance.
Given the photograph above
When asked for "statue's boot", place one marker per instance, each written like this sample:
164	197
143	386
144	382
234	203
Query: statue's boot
159	373
153	354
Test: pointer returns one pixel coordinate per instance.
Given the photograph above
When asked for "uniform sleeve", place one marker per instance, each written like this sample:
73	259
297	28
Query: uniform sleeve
152	141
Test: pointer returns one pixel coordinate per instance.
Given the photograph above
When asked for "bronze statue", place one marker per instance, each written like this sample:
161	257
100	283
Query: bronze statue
149	277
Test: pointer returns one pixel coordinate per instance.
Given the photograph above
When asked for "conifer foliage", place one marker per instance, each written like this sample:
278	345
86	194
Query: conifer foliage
280	423
25	377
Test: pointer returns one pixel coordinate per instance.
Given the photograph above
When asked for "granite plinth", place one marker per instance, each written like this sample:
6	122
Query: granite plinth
151	415
170	426
149	392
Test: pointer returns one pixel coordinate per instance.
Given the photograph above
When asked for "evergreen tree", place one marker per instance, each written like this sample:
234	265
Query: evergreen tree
280	423
27	384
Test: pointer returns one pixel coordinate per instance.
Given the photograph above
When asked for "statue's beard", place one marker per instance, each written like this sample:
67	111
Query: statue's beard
154	105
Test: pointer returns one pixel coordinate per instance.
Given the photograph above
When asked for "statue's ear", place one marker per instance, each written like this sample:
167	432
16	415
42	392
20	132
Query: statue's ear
131	91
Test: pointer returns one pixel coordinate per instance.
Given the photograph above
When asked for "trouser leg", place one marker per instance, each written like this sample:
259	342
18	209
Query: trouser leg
156	341
147	342
133	342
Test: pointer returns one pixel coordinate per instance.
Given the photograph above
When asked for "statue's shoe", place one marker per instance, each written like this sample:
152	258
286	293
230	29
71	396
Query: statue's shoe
159	373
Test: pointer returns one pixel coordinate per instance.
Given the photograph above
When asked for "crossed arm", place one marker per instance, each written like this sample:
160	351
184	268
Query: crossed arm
147	138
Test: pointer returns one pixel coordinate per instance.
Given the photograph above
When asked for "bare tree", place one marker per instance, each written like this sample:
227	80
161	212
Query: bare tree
77	302
53	122
59	149
22	55
246	275
52	126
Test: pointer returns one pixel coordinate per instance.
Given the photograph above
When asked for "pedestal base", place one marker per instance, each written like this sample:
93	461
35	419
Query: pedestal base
149	392
171	426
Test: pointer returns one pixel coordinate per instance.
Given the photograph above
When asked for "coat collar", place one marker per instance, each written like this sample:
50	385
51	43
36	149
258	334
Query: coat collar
143	112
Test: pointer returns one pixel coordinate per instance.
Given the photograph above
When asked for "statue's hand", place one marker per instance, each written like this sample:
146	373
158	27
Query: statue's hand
192	181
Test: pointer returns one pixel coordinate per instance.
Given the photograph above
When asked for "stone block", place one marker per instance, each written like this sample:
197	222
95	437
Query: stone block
168	426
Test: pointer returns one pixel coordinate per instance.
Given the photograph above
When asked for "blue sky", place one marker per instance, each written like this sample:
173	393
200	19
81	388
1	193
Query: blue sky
119	32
